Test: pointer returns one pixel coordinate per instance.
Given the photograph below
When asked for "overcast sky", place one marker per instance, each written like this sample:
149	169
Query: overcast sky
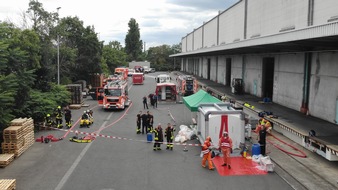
160	21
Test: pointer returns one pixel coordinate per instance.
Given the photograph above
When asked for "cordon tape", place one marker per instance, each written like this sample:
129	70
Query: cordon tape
122	138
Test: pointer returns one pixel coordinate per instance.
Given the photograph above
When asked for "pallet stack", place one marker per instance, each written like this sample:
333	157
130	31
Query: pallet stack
7	184
76	93
6	159
18	137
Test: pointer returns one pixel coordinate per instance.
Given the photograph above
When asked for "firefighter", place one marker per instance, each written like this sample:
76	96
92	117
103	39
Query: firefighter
144	117
150	122
48	121
158	137
90	117
84	119
206	151
138	122
58	117
169	133
225	144
68	117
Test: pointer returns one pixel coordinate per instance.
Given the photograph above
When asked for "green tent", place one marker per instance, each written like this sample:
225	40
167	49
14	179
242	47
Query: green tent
194	100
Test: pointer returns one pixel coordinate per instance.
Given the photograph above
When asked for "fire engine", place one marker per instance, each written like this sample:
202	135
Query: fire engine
114	95
187	85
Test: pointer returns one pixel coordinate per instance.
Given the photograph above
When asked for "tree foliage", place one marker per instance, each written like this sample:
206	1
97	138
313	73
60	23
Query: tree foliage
114	56
132	41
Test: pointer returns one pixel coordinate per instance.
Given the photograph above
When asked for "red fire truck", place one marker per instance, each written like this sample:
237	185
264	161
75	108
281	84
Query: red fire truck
187	85
137	78
114	95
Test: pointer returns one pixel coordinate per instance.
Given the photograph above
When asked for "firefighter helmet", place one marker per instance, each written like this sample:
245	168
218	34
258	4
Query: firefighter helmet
48	115
84	112
59	107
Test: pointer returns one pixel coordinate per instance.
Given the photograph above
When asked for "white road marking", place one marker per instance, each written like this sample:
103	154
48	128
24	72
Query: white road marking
78	159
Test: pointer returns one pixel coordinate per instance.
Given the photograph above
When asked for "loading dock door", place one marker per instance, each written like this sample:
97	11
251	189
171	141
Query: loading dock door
208	71
228	72
267	76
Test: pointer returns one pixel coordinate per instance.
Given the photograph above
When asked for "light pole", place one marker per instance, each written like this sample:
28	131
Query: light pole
58	47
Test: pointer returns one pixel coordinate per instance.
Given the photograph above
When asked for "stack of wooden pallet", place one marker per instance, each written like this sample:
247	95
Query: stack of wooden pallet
19	136
7	184
6	159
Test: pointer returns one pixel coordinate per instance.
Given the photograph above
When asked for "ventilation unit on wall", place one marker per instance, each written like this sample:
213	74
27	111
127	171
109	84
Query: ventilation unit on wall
333	18
255	36
287	28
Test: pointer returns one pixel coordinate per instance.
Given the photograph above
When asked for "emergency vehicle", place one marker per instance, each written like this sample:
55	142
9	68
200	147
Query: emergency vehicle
138	78
163	78
114	95
187	85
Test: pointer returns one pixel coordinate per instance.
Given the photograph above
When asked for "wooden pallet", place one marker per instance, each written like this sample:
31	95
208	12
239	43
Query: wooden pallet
18	121
7	184
6	159
75	106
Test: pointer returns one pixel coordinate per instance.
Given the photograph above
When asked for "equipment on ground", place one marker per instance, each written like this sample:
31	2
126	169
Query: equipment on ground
86	139
237	86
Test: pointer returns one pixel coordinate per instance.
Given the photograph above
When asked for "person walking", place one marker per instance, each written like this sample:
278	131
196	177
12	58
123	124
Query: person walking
145	104
155	101
206	151
225	144
68	117
144	118
262	139
158	137
138	123
169	133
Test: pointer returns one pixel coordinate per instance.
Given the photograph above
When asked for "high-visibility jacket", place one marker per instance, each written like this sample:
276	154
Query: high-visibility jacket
158	135
225	142
169	133
205	147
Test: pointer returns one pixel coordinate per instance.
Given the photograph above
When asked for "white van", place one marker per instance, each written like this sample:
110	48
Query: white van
163	78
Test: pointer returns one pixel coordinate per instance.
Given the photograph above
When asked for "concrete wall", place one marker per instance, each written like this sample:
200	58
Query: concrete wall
189	42
253	75
266	17
231	24
213	68
236	67
198	36
221	69
210	33
288	80
324	10
324	85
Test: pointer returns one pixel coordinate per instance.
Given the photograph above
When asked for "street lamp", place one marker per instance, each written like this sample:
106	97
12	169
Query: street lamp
58	47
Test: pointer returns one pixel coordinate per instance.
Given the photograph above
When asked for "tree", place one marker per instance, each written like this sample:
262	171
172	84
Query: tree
114	55
133	44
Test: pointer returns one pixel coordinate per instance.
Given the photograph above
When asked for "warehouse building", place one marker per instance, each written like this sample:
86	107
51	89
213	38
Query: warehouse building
281	49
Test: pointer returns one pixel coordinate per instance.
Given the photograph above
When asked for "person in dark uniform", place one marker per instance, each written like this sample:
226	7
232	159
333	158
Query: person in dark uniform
262	139
158	137
145	104
138	122
169	133
155	101
58	117
144	118
150	122
68	117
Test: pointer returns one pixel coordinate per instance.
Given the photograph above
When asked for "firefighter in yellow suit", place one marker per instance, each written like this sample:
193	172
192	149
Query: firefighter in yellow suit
206	151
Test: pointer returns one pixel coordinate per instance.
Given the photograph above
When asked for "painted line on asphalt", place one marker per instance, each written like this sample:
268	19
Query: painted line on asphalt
77	161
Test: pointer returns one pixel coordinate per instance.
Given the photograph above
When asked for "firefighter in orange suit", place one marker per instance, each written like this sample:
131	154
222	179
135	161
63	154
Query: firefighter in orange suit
206	151
225	144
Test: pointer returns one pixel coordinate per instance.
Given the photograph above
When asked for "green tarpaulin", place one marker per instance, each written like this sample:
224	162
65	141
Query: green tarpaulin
193	101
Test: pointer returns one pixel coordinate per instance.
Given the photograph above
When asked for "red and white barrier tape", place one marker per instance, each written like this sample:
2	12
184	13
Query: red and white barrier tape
122	138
